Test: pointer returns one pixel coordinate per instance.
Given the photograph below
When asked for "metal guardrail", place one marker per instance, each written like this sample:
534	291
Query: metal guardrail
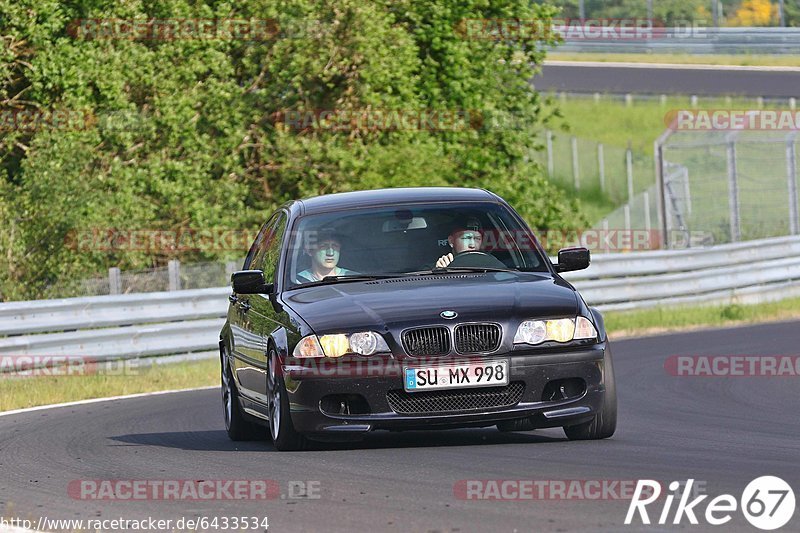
695	40
183	322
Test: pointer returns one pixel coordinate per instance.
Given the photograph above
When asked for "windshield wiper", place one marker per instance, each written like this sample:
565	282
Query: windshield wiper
328	280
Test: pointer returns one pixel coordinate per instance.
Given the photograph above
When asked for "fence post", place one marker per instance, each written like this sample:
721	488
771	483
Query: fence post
575	171
601	164
628	99
661	203
549	136
792	103
733	191
174	271
791	176
629	167
114	281
646	201
626	210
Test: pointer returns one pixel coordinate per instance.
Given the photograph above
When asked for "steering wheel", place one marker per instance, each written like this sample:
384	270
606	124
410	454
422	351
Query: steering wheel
476	259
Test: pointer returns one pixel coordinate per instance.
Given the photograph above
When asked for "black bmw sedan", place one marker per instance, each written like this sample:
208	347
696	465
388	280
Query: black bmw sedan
418	308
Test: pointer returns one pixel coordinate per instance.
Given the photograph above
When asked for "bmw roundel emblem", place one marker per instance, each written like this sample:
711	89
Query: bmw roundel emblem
448	314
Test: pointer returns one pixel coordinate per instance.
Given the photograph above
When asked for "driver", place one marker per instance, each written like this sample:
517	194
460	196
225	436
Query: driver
466	236
324	254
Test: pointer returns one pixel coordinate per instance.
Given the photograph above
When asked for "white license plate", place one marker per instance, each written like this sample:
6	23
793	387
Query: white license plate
477	374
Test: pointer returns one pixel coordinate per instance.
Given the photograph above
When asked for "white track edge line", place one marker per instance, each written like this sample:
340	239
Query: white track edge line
99	400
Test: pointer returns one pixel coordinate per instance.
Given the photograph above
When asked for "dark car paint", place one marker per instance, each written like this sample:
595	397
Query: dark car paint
279	320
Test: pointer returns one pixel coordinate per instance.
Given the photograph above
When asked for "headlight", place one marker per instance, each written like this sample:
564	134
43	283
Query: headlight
367	343
334	345
337	345
559	330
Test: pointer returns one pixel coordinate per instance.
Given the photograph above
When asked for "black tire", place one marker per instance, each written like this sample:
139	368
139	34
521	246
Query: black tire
238	428
604	424
281	429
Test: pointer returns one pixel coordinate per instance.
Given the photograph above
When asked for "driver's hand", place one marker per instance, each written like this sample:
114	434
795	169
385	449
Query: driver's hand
444	261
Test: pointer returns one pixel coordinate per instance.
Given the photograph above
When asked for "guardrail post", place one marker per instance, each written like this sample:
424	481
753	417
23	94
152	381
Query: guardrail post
601	164
174	271
791	176
114	281
733	192
575	171
549	136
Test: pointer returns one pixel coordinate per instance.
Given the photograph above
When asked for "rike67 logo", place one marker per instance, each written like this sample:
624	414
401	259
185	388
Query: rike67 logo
767	502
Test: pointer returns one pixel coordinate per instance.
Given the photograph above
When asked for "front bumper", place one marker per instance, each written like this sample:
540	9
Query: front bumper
308	385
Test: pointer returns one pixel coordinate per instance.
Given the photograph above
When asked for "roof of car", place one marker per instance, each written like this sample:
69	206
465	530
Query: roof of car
330	202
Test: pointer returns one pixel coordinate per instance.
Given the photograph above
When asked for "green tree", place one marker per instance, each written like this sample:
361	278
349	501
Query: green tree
183	132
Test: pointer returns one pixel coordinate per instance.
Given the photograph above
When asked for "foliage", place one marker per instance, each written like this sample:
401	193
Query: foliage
183	132
755	13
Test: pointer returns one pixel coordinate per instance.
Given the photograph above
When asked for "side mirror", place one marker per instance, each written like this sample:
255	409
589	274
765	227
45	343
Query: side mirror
250	282
572	259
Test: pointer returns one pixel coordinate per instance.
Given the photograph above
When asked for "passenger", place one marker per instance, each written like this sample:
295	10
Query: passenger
324	255
466	236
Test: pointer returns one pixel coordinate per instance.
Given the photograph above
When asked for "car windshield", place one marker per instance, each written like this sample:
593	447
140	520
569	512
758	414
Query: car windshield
414	239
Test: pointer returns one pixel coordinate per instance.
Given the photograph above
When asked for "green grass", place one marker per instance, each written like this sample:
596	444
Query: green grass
20	391
690	59
664	319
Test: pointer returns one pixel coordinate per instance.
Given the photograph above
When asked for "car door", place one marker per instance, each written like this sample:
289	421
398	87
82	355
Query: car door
266	315
249	361
260	314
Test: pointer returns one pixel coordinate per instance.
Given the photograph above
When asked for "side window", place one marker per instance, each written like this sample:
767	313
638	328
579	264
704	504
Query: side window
258	243
269	250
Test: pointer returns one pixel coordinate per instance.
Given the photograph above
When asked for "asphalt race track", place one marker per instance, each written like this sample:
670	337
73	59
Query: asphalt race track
723	431
682	79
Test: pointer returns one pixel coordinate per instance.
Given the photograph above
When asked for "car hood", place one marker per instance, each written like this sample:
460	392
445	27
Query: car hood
397	303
